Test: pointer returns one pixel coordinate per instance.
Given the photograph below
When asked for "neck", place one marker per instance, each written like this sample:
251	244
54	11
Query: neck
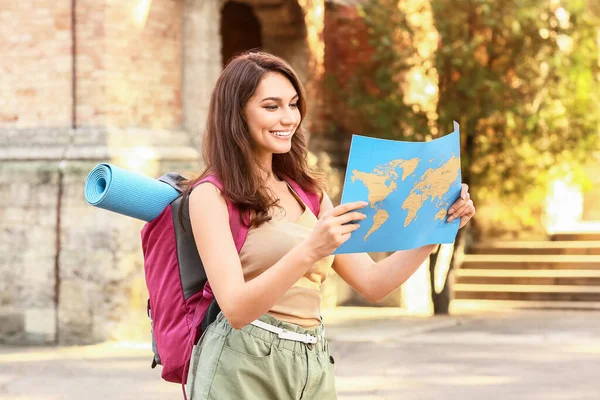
266	163
270	177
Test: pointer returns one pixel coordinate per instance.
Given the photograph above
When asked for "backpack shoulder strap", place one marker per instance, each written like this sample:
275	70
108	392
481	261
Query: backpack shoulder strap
309	198
239	230
174	180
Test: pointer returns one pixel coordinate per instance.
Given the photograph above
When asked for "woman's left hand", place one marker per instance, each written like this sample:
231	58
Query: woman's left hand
463	208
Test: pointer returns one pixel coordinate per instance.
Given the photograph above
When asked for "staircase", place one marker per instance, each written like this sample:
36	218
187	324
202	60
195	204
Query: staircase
562	273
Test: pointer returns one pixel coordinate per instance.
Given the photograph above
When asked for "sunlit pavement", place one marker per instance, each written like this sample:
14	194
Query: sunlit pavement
380	354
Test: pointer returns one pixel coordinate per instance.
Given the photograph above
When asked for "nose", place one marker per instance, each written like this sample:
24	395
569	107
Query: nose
289	117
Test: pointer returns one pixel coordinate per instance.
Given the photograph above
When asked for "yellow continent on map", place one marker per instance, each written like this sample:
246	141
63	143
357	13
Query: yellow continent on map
380	217
434	183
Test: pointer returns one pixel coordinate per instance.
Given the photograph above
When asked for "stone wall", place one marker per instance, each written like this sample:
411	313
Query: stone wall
28	250
86	284
116	84
102	290
71	273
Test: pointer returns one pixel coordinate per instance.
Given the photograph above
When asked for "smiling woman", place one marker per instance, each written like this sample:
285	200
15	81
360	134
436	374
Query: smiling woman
254	132
267	341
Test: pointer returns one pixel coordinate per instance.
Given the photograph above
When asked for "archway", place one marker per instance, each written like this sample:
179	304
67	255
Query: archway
240	30
275	26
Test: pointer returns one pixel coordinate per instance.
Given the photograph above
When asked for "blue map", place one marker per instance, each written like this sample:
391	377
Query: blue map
409	187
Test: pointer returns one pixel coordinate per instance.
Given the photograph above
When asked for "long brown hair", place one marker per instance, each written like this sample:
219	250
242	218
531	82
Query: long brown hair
228	148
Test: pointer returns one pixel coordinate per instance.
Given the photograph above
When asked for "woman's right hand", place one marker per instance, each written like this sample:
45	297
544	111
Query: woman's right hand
334	228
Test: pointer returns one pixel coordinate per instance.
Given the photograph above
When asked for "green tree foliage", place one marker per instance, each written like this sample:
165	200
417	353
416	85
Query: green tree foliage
374	95
521	77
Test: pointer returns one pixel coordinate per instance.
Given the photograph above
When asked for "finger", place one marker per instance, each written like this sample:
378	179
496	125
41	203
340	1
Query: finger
348	228
345	238
470	211
344	208
461	211
464	191
351	216
466	218
458	204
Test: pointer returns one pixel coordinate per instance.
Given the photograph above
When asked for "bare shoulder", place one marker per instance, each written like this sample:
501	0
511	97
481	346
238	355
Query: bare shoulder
209	218
208	208
207	195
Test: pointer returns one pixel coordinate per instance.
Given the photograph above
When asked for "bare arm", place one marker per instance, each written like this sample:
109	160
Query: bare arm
242	302
373	280
376	280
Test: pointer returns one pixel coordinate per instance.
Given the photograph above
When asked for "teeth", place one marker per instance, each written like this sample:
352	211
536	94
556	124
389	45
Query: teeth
281	133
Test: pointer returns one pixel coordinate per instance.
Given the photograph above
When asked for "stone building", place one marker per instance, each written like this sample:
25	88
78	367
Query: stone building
128	82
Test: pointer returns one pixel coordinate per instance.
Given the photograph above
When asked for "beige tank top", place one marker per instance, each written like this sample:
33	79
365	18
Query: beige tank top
267	244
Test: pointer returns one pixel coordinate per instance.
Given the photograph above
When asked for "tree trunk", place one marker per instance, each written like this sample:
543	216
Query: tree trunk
441	300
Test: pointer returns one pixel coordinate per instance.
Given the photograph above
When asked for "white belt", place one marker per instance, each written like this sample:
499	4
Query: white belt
285	334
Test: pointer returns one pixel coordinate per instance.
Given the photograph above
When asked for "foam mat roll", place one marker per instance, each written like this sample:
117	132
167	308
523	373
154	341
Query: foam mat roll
128	193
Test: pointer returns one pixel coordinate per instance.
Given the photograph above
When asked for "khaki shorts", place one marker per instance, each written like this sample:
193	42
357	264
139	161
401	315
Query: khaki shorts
253	363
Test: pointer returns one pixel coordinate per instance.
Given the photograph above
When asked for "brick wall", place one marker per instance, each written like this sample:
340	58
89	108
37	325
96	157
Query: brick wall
128	71
128	74
35	67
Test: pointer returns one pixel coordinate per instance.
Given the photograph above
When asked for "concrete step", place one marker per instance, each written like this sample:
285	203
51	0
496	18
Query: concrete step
583	230
572	236
527	292
588	247
466	306
572	277
493	261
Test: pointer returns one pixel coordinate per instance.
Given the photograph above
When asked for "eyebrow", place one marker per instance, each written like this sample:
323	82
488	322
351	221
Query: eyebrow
277	98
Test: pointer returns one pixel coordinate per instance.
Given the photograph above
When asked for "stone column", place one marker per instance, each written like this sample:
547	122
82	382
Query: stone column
314	14
201	62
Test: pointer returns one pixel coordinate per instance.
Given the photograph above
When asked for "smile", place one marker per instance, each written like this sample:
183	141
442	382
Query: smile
282	134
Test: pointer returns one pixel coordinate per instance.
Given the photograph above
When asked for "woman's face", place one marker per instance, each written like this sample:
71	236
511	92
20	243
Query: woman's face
272	115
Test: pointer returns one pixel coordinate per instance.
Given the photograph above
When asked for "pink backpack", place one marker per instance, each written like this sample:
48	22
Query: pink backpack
181	301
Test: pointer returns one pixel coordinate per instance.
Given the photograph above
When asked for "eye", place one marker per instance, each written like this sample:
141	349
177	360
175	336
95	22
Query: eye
270	107
294	105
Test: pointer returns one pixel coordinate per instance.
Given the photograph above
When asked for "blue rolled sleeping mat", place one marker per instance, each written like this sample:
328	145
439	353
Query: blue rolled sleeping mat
134	195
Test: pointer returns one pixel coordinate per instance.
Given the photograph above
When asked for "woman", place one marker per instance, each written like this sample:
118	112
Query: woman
268	342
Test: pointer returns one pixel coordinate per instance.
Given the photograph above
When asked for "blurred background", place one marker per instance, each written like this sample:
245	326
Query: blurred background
128	82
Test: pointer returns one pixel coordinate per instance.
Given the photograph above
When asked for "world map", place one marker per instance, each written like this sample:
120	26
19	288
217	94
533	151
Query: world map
409	187
434	184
